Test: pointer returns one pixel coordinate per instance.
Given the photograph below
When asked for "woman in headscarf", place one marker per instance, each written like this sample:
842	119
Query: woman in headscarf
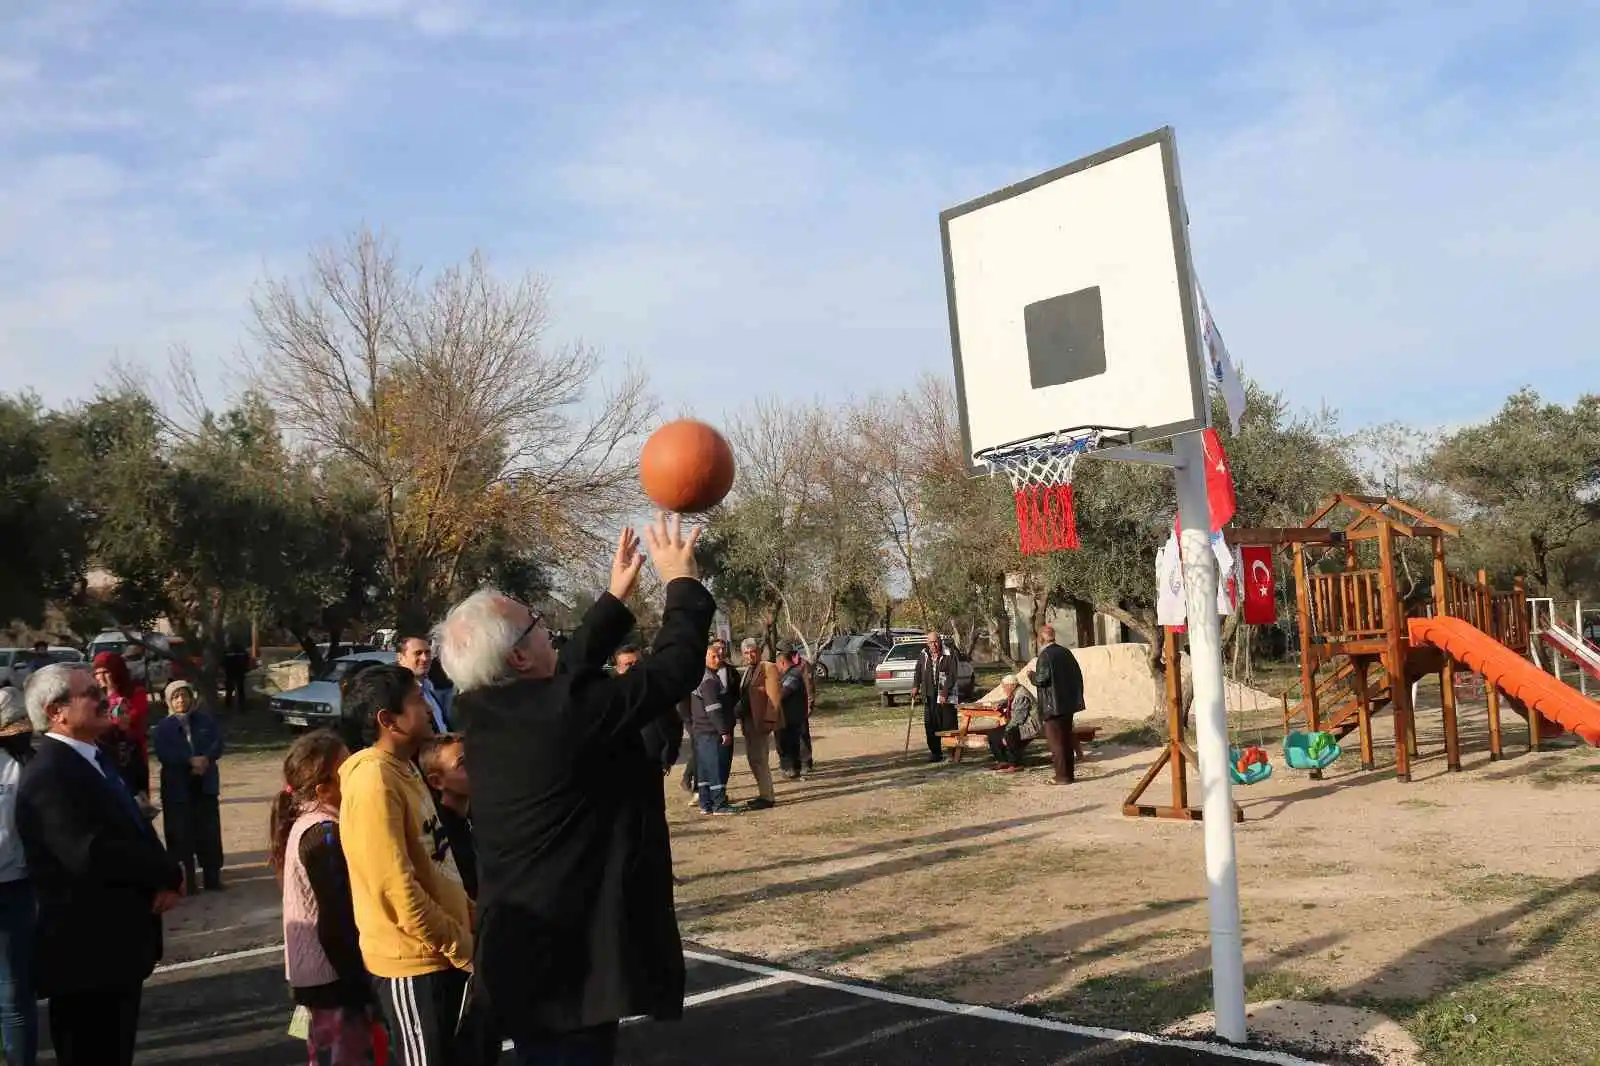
19	1017
188	743
126	742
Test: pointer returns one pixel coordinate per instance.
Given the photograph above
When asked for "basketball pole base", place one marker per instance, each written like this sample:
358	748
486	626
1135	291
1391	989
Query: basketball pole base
1211	737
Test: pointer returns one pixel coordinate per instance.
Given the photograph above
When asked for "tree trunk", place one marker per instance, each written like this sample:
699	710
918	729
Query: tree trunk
1084	613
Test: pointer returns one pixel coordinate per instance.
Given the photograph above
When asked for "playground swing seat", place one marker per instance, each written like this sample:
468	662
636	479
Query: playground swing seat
1310	751
1249	766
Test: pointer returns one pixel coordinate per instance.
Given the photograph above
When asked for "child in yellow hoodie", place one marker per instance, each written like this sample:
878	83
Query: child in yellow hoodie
413	916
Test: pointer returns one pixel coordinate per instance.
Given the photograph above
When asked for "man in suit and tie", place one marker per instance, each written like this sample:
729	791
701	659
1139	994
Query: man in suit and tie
102	876
415	653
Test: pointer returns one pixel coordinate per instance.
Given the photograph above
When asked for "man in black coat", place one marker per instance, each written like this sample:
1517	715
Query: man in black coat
102	878
576	927
662	735
1059	681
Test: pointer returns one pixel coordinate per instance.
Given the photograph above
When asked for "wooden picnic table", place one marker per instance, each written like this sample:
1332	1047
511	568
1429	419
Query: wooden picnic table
979	720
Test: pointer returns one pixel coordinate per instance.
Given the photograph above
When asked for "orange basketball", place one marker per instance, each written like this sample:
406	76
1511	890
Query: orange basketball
686	466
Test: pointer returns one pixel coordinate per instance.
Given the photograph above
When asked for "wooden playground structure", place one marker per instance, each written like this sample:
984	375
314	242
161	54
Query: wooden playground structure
1353	618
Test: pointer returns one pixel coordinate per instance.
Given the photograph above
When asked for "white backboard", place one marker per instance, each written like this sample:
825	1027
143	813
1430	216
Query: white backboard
1072	304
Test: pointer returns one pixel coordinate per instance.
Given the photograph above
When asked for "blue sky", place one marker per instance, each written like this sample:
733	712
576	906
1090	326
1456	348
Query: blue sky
1393	203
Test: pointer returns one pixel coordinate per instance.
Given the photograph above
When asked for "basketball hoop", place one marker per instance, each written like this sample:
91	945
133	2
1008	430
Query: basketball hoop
1040	470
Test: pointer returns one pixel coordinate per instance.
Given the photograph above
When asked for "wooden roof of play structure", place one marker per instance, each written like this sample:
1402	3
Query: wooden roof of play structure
1373	512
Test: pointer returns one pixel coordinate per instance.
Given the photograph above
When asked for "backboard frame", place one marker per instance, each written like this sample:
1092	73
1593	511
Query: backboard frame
1178	218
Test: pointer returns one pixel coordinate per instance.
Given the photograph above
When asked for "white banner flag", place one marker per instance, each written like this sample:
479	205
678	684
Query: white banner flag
1220	372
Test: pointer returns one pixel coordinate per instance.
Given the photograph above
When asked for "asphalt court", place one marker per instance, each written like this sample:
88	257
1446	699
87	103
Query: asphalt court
233	1011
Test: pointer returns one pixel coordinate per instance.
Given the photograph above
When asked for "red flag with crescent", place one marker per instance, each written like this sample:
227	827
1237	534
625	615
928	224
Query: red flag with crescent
1219	481
1260	591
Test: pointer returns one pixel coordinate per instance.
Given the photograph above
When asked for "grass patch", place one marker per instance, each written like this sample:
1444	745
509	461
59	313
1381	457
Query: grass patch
1420	804
1143	735
1149	1004
842	703
1503	888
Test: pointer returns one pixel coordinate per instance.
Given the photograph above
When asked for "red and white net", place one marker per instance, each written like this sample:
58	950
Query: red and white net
1041	482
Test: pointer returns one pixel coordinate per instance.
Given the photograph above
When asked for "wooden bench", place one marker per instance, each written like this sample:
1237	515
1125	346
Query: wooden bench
978	723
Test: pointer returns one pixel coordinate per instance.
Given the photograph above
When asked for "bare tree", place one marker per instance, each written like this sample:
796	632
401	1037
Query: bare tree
444	397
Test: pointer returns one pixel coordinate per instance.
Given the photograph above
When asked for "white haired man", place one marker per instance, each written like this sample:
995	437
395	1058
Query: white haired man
576	928
103	879
1021	725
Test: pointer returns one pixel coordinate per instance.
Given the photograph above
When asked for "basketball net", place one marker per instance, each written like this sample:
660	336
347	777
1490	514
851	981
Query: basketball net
1041	483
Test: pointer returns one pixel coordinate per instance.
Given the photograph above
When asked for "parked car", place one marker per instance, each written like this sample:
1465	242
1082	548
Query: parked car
17	663
151	668
315	705
851	656
895	673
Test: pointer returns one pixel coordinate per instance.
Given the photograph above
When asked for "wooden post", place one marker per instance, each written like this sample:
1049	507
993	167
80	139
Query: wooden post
1364	713
1177	765
1447	671
1395	654
1308	670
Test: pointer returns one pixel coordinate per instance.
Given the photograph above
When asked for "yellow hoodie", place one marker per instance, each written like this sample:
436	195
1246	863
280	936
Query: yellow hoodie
411	911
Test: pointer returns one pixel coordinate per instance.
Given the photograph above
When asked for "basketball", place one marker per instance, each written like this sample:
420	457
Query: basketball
686	466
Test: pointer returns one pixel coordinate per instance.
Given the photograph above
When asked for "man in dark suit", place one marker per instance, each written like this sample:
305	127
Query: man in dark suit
102	877
934	683
1059	681
576	927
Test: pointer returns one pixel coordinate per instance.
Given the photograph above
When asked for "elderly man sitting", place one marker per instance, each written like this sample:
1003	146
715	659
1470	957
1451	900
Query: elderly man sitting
1021	725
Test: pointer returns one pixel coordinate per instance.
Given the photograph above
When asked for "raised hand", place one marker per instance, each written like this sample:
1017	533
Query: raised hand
670	550
625	564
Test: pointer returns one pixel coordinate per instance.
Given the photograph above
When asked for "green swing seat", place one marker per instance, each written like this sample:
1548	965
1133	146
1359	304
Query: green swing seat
1310	751
1254	774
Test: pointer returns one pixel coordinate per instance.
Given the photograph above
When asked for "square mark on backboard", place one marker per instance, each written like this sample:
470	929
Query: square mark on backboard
1066	338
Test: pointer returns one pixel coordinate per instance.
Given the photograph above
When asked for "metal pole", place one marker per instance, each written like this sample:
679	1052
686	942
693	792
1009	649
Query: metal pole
1577	629
1211	735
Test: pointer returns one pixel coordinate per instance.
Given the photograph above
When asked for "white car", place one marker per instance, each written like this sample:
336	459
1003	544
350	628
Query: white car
895	675
17	663
316	705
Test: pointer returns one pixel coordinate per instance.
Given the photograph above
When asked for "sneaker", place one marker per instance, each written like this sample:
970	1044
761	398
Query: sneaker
760	803
811	767
694	802
723	810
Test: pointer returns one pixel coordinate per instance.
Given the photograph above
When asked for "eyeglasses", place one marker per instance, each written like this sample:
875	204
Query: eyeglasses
535	618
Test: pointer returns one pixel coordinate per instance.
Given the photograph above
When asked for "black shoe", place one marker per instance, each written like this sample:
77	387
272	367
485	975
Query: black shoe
811	767
760	803
214	884
935	758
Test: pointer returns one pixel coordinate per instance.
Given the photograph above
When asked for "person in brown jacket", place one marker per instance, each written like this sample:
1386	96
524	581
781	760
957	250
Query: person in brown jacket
760	710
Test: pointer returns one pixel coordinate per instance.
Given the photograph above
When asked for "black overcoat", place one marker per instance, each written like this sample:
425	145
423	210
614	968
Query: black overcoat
576	920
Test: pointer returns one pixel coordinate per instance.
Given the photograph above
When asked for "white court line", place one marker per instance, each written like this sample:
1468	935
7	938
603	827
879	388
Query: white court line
709	996
218	960
1271	1058
776	976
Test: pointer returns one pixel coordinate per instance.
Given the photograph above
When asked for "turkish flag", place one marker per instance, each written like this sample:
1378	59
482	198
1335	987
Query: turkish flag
1219	481
1260	591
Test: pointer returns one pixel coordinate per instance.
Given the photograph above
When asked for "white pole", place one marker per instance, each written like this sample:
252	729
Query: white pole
1577	628
1211	733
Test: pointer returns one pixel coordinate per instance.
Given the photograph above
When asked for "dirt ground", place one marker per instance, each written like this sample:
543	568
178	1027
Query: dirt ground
1003	889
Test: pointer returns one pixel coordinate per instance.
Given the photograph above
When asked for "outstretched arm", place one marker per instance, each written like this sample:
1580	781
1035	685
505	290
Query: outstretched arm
677	659
608	622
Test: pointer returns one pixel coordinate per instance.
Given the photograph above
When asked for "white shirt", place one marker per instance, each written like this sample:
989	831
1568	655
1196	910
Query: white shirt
13	866
88	751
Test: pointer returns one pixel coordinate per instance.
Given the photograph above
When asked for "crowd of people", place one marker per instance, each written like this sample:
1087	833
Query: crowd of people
477	862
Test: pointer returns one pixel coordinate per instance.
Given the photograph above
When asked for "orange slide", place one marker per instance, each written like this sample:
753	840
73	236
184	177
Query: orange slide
1511	673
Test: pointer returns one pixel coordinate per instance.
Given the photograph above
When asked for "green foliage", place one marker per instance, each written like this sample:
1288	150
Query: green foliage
44	539
1528	481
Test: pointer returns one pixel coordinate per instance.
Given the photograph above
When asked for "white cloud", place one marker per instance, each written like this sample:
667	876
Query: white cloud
747	194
